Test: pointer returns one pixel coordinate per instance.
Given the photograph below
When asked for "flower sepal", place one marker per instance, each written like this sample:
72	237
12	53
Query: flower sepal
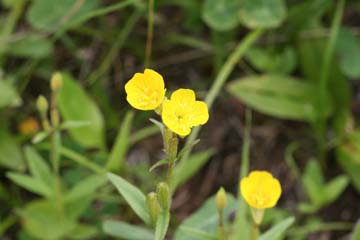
257	215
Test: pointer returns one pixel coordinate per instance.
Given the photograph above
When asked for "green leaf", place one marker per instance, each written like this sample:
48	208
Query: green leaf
355	235
162	225
11	3
186	169
158	124
74	124
80	196
126	231
205	219
42	220
38	168
85	187
262	13
31	46
313	181
276	95
187	148
348	48
133	196
334	188
308	208
39	137
76	105
304	13
31	184
221	15
158	164
351	166
50	15
272	60
10	151
278	230
82	231
198	234
121	146
8	95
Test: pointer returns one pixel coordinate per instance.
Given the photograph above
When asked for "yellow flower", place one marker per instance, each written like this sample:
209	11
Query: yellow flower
182	112
260	189
145	91
29	127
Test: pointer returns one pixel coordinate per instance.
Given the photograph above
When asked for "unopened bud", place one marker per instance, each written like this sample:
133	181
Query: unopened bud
163	194
56	82
153	206
221	199
42	104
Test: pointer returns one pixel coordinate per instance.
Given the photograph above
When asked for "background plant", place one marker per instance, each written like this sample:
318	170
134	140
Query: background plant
294	64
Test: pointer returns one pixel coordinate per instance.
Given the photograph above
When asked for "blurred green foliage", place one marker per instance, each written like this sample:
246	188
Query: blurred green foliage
300	61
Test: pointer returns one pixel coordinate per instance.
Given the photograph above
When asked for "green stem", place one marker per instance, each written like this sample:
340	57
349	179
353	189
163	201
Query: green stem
10	24
254	232
150	33
221	230
331	226
118	44
324	77
221	78
55	150
171	142
245	153
94	14
241	224
143	133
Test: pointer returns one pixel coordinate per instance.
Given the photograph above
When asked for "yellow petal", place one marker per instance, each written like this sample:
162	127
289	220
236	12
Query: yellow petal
200	113
145	91
260	189
171	119
156	78
184	96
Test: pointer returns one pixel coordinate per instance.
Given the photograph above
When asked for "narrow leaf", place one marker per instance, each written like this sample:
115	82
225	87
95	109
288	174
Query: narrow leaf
85	188
39	137
74	124
120	148
355	235
184	170
198	234
162	225
158	164
134	197
126	231
10	151
76	105
38	167
278	229
276	95
159	124
30	184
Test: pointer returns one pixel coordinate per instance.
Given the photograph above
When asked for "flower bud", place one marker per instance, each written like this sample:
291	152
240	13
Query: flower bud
153	206
221	199
42	104
56	82
163	194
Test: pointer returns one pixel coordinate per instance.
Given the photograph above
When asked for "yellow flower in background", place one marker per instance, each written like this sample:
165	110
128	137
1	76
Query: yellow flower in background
182	112
260	189
145	91
30	126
